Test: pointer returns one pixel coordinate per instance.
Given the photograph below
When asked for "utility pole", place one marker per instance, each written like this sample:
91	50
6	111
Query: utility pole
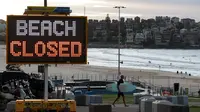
119	39
84	10
45	3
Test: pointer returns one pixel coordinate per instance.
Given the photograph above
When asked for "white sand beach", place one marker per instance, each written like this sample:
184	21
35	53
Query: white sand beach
158	78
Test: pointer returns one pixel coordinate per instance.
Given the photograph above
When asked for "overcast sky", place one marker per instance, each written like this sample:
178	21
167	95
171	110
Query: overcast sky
98	9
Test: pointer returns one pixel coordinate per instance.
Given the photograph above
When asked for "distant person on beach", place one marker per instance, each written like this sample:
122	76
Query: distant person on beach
88	88
72	88
149	92
89	92
199	92
121	80
72	77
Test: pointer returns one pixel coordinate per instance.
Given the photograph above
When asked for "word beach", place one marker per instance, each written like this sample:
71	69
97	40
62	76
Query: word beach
38	28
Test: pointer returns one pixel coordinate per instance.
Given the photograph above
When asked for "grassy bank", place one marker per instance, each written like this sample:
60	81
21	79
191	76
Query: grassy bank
130	99
191	99
108	99
194	109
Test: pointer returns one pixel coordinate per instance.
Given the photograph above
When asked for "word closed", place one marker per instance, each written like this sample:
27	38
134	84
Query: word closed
46	39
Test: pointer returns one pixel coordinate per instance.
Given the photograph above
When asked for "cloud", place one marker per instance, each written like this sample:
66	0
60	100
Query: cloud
145	10
76	2
179	2
100	8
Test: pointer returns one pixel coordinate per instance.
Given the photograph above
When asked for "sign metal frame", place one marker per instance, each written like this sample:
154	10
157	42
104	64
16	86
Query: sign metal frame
63	16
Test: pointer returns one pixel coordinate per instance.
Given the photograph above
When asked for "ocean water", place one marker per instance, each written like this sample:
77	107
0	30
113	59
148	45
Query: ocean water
168	60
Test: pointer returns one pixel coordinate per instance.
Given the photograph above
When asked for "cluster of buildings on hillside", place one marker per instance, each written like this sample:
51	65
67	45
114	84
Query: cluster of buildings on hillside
2	30
161	31
158	32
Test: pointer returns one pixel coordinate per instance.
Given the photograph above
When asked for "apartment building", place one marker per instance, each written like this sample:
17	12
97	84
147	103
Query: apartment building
188	23
129	31
139	38
2	30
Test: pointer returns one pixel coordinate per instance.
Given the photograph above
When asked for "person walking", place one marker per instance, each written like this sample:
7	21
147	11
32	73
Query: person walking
121	80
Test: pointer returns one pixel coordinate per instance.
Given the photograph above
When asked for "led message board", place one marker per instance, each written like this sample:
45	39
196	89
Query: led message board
46	40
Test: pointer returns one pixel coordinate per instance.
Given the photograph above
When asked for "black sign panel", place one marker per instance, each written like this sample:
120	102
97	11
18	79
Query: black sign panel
46	40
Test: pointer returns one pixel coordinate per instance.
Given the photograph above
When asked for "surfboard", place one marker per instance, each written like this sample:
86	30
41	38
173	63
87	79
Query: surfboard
124	87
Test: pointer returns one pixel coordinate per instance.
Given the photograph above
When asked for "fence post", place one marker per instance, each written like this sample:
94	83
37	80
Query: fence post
169	82
149	79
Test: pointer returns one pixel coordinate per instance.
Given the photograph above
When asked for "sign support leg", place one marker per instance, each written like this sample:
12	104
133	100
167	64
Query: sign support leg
46	82
45	72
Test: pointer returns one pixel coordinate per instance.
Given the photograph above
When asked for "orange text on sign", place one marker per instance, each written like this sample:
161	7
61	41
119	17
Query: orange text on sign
50	49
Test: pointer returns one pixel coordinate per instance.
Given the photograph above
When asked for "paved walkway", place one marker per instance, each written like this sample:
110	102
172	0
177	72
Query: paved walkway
194	103
117	108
